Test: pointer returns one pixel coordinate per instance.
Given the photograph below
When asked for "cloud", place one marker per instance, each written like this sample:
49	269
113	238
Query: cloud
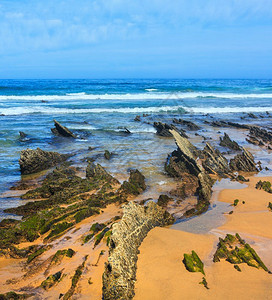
53	25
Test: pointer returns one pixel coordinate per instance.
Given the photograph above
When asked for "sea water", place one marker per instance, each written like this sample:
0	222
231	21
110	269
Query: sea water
97	110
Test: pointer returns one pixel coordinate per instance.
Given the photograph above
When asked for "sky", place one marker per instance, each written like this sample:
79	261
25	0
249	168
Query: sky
135	39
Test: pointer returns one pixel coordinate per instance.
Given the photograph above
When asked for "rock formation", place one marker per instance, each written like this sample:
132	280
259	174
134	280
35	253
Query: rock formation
259	136
62	130
120	271
32	161
97	172
215	162
243	162
185	163
189	124
227	142
135	184
163	129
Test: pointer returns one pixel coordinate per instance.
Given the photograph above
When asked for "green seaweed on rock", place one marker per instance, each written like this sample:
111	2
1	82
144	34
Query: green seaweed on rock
236	251
193	263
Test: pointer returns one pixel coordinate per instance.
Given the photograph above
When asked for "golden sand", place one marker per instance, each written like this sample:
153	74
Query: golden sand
161	274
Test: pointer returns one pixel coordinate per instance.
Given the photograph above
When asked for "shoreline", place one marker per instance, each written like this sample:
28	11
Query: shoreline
161	254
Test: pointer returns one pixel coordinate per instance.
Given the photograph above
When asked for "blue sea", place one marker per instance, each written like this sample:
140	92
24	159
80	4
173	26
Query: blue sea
97	110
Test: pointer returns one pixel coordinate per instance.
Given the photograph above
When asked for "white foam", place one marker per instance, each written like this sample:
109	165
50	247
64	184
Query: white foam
52	110
151	90
141	129
136	96
222	110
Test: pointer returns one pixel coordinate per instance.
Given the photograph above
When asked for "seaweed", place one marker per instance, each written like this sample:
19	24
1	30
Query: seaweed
204	282
75	280
193	263
51	280
236	251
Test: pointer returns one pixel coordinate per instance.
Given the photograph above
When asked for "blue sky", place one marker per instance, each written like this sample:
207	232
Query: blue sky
136	39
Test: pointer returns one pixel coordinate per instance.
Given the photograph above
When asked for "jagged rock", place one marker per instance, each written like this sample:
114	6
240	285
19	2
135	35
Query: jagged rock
107	154
22	135
137	119
135	184
62	130
189	124
163	200
185	162
243	162
227	142
251	115
215	162
259	136
33	161
163	129
236	251
127	235
97	172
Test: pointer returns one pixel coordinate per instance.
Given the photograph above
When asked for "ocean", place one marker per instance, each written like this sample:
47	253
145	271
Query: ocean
98	110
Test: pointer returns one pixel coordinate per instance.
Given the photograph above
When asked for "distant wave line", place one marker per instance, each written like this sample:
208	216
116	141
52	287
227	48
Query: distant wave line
136	96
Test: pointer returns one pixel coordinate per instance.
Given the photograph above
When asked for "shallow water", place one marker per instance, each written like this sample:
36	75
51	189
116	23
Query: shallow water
215	216
96	109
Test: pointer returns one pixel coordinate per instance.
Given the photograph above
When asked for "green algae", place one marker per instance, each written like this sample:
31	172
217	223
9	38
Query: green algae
193	263
51	280
236	251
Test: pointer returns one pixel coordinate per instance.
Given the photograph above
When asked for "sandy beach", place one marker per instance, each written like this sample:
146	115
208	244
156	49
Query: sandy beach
162	275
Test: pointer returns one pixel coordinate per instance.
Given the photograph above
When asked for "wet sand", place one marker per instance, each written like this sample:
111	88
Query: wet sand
25	278
162	275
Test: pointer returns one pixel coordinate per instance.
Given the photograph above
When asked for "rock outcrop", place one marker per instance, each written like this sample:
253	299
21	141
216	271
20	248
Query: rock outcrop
33	161
227	142
243	162
214	162
190	125
120	271
185	163
62	130
135	184
259	136
97	172
163	129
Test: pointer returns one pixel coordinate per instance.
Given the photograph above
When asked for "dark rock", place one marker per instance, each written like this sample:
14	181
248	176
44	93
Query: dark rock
33	161
137	119
107	154
251	115
259	136
62	130
227	142
184	163
124	130
163	129
135	184
163	200
97	172
146	115
215	162
264	185
189	124
243	162
22	135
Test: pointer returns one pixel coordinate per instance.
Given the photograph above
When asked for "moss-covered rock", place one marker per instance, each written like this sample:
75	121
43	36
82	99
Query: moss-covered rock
193	263
264	185
236	251
13	296
135	184
60	254
75	280
51	280
163	200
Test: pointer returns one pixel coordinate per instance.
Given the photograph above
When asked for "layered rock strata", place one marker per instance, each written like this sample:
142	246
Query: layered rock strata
120	271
